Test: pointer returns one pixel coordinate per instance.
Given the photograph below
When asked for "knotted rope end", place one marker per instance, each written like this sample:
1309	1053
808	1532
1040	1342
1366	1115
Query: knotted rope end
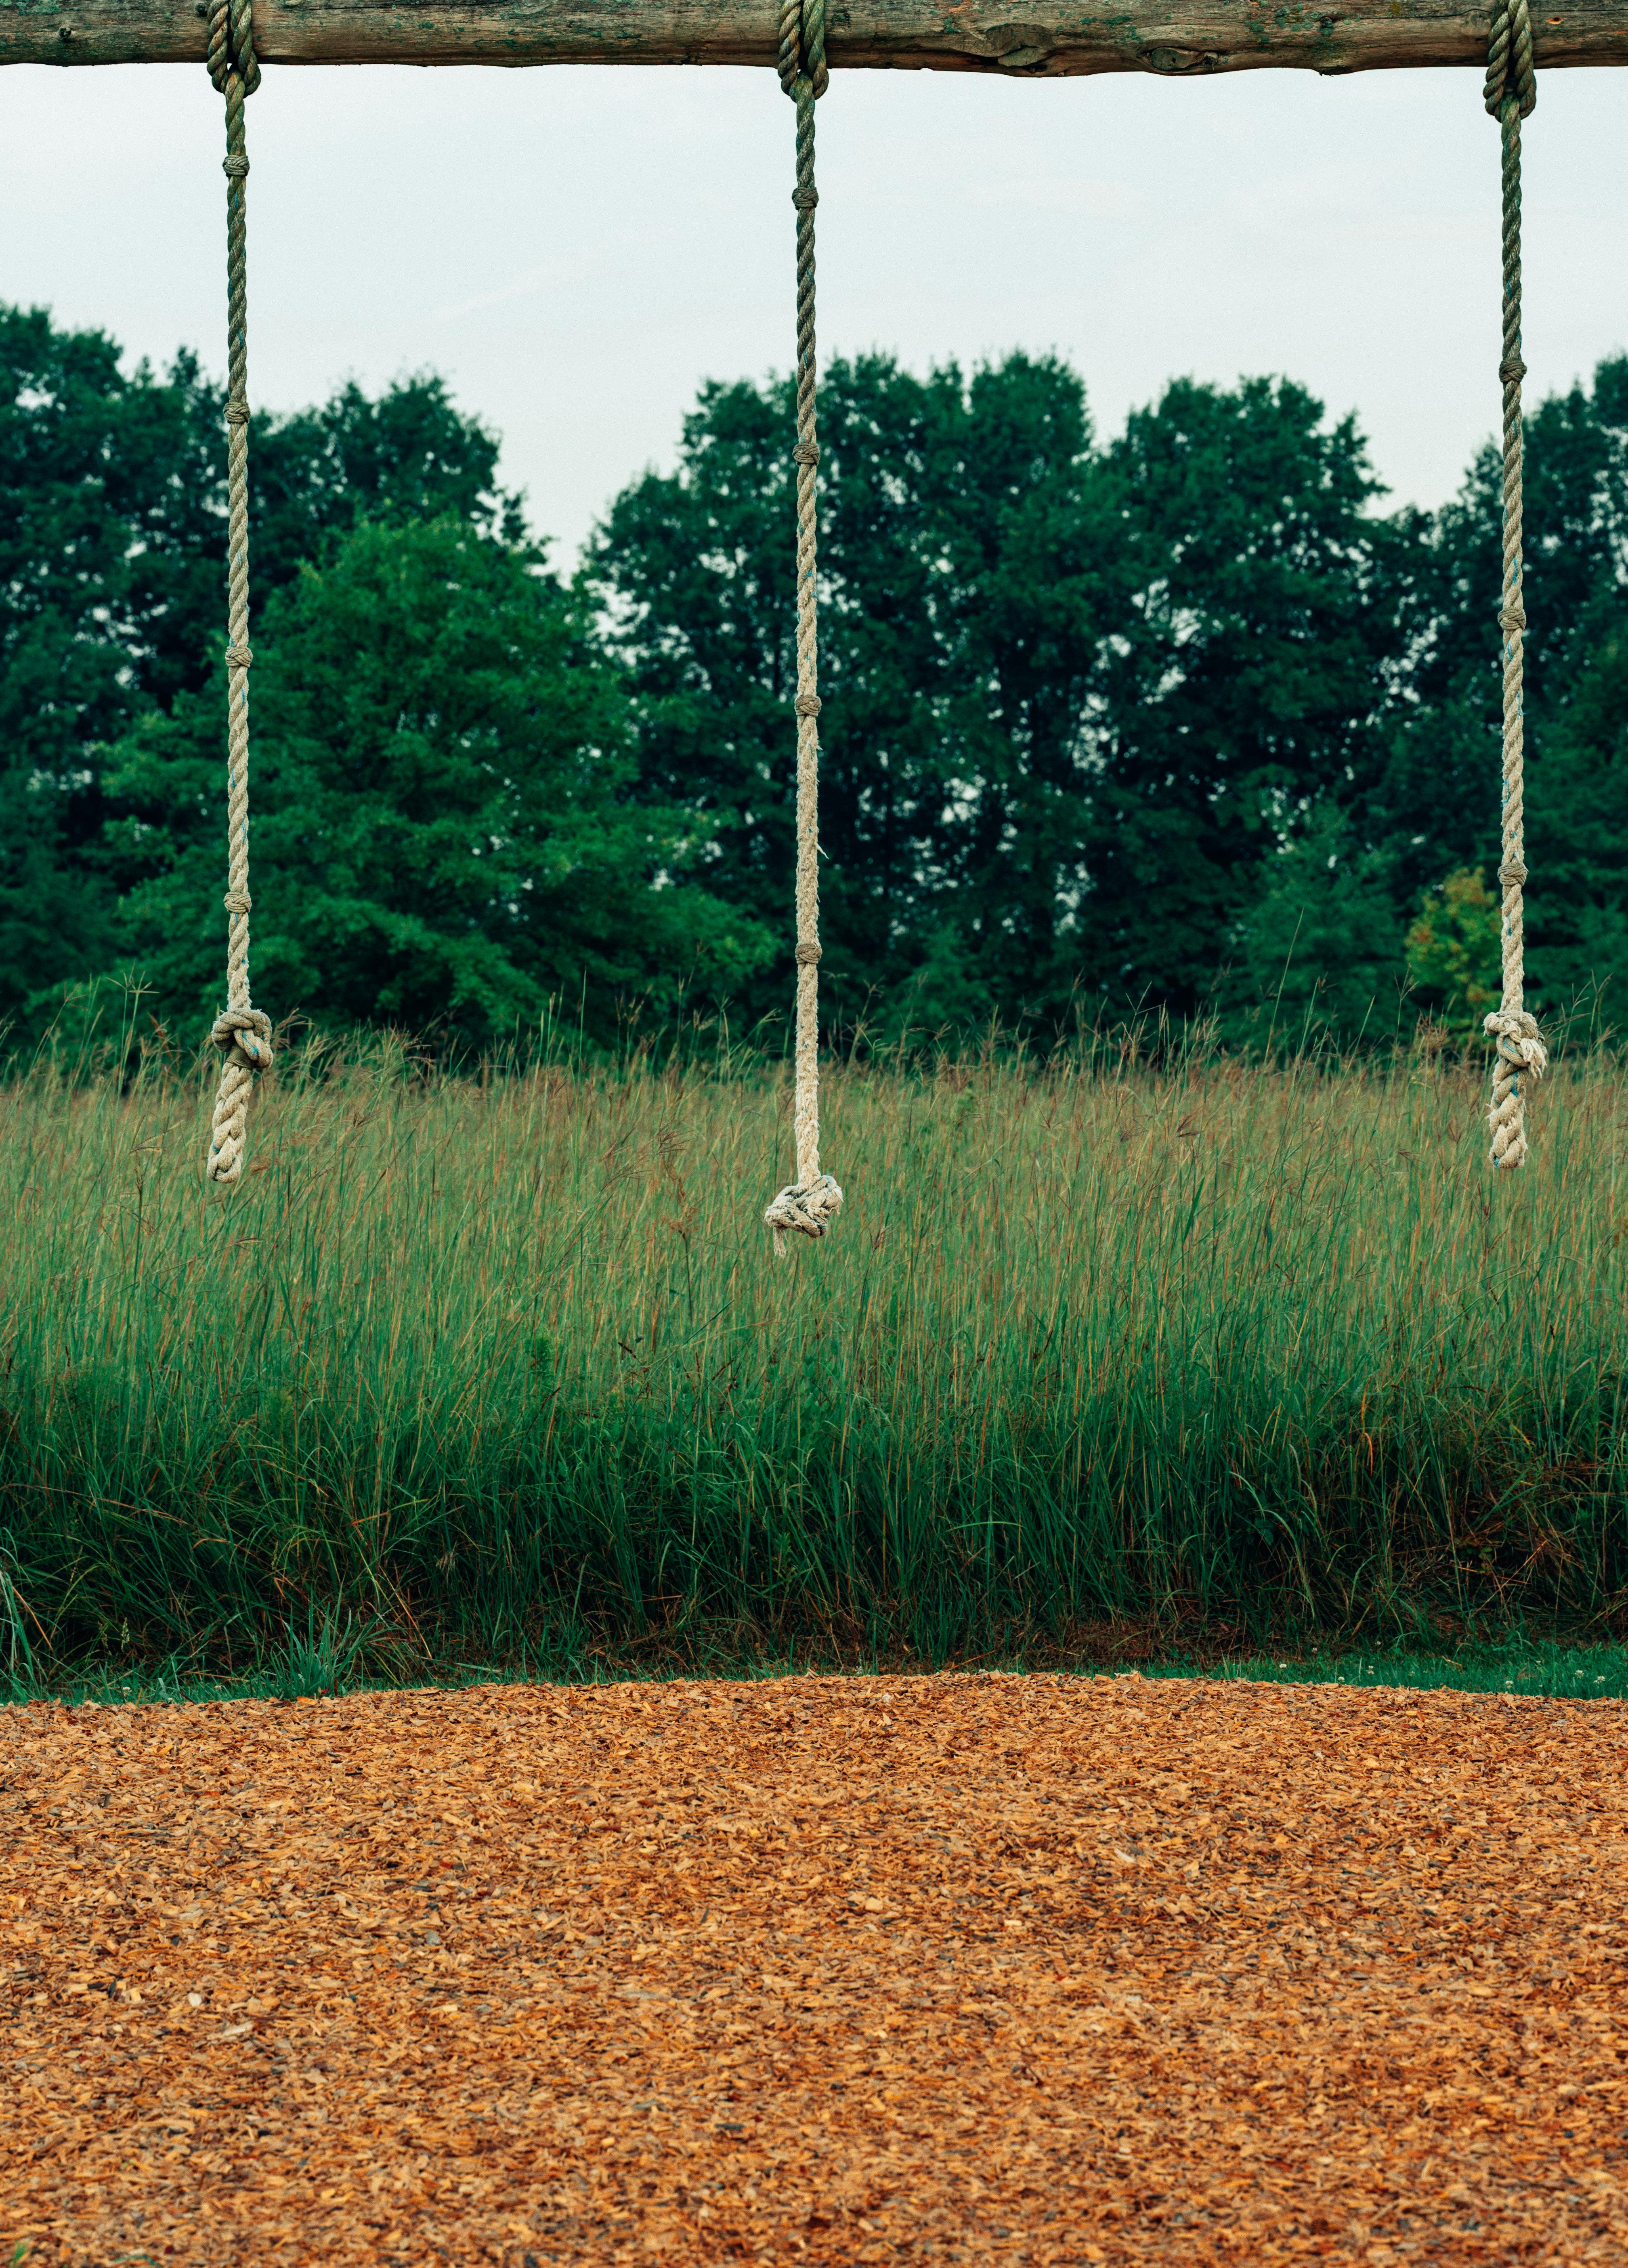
244	1037
1520	1049
806	1208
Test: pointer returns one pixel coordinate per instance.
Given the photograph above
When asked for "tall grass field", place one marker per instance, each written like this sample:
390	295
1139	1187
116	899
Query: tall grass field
504	1369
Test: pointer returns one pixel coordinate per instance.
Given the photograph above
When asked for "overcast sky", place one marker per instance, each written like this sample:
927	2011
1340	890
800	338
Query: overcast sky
577	249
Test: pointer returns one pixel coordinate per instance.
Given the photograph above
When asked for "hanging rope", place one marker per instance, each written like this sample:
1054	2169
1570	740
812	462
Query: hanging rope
807	1204
243	1033
1510	93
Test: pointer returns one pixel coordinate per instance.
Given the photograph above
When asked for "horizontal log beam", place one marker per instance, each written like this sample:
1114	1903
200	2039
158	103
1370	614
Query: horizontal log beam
1024	39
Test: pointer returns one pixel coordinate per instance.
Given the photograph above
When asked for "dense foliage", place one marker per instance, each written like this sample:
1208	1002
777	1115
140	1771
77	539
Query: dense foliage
442	840
1181	721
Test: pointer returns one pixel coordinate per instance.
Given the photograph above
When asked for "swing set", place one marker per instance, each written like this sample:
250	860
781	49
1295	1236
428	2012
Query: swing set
1172	37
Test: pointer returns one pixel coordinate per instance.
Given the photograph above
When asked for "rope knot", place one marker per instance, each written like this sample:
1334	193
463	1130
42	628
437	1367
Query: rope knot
805	452
1520	1049
236	167
807	705
237	656
236	901
802	49
1519	1041
236	413
1511	370
803	1209
231	47
1510	76
804	199
1513	871
244	1037
807	956
1511	619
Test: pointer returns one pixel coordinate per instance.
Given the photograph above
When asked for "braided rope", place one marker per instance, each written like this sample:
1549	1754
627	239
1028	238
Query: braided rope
1510	93
806	1204
243	1033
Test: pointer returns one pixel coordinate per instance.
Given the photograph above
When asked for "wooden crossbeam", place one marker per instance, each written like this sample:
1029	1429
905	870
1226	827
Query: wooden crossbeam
1024	39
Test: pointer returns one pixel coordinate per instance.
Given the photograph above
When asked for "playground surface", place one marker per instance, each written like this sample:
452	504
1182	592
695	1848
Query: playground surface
951	1967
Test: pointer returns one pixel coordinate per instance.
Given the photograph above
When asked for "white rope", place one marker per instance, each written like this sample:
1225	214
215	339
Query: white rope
805	1206
1511	91
244	1031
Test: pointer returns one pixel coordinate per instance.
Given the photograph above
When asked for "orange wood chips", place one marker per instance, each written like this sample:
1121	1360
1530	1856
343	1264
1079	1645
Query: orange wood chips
821	1970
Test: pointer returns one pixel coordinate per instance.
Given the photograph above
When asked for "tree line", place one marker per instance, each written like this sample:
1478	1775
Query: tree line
1183	720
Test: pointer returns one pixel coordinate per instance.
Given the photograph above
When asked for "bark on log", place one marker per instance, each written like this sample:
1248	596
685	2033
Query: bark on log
1024	39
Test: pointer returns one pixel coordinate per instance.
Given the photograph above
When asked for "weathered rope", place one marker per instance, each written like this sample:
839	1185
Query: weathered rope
243	1033
1510	93
807	1204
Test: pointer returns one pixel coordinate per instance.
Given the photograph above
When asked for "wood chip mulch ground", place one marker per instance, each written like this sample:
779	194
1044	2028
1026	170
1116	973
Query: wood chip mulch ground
946	1969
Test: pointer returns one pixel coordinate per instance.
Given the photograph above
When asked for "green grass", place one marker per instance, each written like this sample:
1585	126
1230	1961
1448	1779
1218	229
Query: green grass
1547	1671
1553	1672
1098	1363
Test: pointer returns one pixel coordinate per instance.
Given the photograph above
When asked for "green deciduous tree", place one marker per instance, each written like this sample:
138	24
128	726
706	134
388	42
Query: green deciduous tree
1577	825
443	837
112	566
1318	956
1180	722
1076	701
1243	696
1432	806
1453	953
963	576
99	549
